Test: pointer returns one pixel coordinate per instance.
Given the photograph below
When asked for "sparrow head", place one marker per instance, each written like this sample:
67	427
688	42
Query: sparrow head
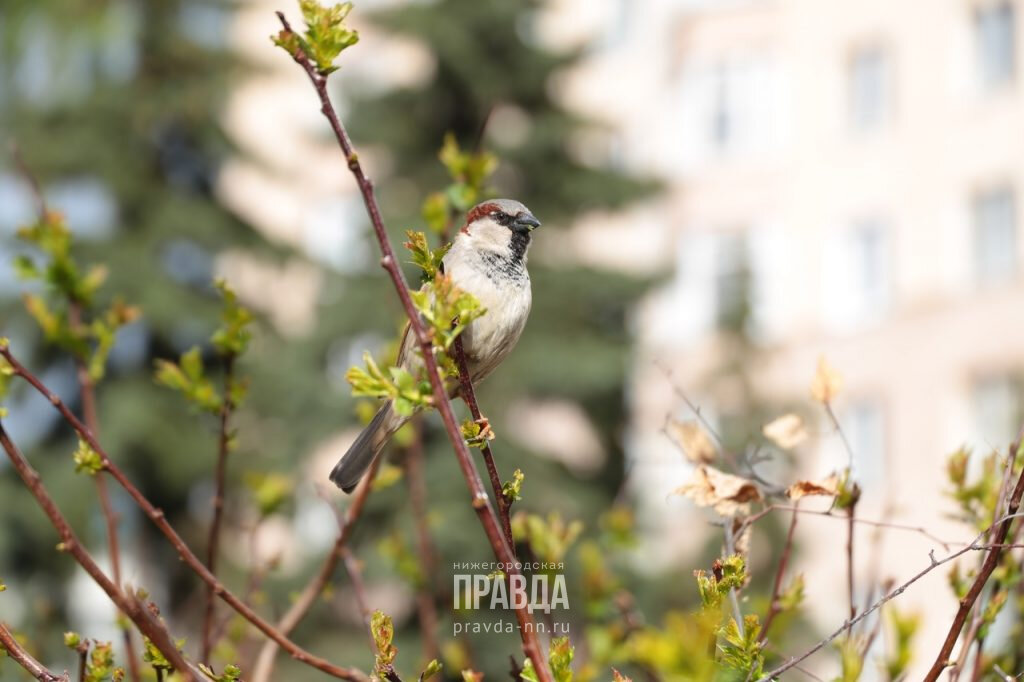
502	225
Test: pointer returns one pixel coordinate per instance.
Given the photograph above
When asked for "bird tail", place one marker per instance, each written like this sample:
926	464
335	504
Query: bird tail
351	467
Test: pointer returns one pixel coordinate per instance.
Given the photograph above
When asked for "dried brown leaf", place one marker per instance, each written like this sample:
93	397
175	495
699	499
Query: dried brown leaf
727	494
828	487
787	431
827	382
693	440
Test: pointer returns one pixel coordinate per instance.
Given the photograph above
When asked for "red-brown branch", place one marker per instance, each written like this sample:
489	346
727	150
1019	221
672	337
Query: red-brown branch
220	481
131	607
189	557
425	607
479	500
11	648
984	573
774	607
23	658
794	661
315	587
468	395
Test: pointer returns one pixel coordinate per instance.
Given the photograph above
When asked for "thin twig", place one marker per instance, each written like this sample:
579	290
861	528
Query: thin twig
23	658
220	482
479	500
753	518
264	666
730	548
83	659
158	519
468	395
131	607
355	574
425	606
842	435
889	596
989	565
850	511
774	607
695	409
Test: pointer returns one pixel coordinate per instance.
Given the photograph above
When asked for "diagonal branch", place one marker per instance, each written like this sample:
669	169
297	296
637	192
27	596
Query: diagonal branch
315	587
794	661
425	606
157	517
774	607
23	658
480	502
220	481
131	607
984	573
468	395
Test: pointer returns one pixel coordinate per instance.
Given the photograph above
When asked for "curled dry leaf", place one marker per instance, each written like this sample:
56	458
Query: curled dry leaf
828	486
693	440
727	494
787	431
827	382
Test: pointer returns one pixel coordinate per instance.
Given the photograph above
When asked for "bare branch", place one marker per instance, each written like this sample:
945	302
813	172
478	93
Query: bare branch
773	604
314	588
425	606
36	669
989	565
220	482
87	388
478	496
889	596
468	395
158	519
753	518
131	607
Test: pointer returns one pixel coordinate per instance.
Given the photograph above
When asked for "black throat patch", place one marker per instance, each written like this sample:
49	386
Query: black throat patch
508	268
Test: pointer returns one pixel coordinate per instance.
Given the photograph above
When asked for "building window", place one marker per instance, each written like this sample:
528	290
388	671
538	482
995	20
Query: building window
732	282
870	88
995	40
996	403
994	216
856	275
869	271
722	114
864	426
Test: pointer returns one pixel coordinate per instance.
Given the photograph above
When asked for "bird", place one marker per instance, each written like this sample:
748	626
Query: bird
488	260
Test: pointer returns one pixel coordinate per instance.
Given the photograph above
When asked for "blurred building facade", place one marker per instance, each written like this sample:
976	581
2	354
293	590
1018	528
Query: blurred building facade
854	169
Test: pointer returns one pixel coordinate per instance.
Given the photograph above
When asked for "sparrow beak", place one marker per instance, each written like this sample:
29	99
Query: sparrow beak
527	221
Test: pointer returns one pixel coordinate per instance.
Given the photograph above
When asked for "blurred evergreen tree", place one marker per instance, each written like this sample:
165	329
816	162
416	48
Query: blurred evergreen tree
116	106
491	74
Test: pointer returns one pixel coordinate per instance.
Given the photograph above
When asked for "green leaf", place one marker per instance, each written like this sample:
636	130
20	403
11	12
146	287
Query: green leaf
512	490
26	268
233	336
326	35
86	459
383	632
560	657
422	256
271	491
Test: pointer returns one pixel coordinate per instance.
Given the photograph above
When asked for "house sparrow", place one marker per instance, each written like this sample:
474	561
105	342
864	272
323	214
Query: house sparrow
488	260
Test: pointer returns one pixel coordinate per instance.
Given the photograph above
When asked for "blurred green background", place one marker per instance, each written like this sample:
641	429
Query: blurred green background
119	108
